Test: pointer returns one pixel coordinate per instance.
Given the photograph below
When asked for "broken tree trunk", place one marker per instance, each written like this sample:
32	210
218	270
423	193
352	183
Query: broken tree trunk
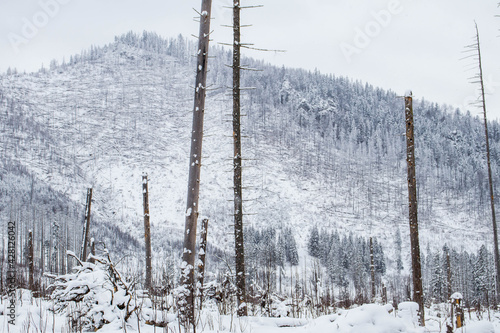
86	228
418	296
92	250
186	301
147	232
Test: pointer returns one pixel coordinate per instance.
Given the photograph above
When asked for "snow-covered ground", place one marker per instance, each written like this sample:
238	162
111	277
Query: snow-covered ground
34	315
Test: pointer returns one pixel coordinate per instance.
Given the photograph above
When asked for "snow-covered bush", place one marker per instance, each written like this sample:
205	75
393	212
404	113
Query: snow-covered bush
94	295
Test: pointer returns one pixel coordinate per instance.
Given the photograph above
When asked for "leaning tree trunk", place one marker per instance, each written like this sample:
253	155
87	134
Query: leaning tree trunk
186	303
490	178
238	201
418	296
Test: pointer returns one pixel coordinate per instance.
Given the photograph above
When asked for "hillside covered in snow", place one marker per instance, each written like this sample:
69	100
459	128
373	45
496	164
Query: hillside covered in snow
319	151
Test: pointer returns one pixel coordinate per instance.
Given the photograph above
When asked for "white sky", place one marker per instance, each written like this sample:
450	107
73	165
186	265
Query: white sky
415	44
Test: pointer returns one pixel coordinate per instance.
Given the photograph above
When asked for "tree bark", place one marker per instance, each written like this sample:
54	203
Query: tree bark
186	303
147	232
201	259
238	201
412	205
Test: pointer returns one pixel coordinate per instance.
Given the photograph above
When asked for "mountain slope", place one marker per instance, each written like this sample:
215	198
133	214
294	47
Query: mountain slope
319	150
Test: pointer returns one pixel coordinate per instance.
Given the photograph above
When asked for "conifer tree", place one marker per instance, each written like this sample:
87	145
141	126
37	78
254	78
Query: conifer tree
313	243
480	273
436	277
292	254
399	260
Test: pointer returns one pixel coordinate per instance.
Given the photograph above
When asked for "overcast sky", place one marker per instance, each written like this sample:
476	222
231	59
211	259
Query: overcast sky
394	44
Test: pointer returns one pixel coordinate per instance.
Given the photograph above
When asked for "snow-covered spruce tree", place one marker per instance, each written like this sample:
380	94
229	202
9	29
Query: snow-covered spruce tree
379	257
480	275
94	295
399	260
292	255
447	274
313	243
436	283
281	251
324	246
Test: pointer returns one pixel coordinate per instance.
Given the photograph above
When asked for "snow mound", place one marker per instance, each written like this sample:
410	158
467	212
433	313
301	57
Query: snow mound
367	318
480	327
408	311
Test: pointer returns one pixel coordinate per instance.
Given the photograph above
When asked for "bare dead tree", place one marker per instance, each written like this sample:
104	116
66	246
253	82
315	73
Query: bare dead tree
418	296
147	231
238	201
186	302
372	271
448	275
475	49
31	285
201	259
42	247
86	227
237	155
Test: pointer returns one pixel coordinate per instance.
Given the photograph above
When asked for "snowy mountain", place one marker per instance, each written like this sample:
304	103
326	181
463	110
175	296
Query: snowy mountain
319	151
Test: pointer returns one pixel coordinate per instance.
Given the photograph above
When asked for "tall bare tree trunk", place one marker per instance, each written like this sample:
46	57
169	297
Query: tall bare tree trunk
186	302
66	259
448	275
31	285
42	248
238	201
372	270
490	178
87	226
147	232
418	296
201	259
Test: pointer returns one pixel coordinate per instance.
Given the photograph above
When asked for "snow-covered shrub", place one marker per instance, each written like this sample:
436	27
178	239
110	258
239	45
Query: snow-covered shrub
222	293
94	295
